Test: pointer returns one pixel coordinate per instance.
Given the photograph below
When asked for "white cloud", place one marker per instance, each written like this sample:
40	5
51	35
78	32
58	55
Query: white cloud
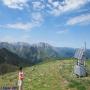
37	20
50	1
62	31
38	5
82	19
13	39
15	4
58	7
7	39
20	26
73	4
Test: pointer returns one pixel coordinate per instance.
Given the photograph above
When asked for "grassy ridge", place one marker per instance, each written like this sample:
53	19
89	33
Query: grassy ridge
50	75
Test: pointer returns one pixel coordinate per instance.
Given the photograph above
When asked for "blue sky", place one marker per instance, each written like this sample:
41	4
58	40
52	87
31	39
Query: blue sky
62	23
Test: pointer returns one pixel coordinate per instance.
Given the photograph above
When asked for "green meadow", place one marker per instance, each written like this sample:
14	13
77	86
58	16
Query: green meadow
49	75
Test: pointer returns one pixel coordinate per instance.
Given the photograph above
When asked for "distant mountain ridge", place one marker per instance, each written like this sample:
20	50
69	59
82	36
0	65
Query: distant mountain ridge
34	53
40	51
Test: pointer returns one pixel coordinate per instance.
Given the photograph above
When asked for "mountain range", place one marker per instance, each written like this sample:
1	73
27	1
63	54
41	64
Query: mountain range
37	52
34	53
17	54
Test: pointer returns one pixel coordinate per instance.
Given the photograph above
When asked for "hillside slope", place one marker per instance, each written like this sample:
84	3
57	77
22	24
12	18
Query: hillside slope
10	61
11	58
52	75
